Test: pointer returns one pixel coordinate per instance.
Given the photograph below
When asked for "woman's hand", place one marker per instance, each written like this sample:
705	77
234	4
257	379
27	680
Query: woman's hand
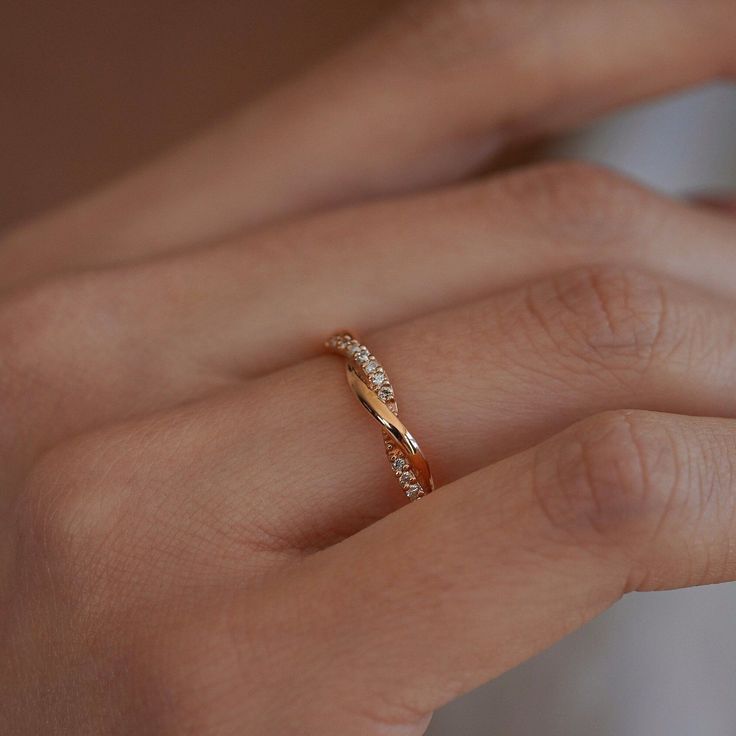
189	489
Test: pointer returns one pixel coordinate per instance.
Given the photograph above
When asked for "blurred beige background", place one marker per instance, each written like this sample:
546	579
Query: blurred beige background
90	88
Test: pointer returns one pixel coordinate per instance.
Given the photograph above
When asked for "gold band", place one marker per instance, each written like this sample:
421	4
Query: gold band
371	386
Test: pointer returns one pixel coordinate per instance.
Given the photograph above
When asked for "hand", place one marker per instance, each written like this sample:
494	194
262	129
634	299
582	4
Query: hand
190	490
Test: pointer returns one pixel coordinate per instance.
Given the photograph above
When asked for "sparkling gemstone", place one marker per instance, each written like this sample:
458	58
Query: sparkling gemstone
378	378
406	478
371	366
362	355
398	463
385	393
414	491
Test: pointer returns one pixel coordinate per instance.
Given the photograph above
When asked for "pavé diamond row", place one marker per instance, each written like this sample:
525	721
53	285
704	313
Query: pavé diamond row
406	459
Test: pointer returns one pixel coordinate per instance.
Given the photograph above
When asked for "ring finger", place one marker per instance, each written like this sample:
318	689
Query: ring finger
476	383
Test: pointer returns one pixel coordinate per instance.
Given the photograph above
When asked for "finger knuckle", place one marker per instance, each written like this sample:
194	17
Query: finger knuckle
28	317
43	327
614	478
609	317
27	320
584	206
66	515
62	339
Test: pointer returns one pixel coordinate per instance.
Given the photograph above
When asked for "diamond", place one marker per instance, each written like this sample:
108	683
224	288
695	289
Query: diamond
378	378
371	366
385	393
353	348
414	491
398	463
406	478
362	355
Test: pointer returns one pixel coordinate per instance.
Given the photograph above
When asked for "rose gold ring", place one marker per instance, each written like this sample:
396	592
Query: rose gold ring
369	382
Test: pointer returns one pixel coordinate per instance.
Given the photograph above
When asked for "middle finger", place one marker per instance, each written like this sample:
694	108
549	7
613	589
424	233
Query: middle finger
102	346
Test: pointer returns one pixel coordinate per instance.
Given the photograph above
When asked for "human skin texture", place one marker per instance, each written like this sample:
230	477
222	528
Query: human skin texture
200	534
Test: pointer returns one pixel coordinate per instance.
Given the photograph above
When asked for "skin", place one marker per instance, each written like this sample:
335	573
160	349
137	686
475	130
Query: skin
199	531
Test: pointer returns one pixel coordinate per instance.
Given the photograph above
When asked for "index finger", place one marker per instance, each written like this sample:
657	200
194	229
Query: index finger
425	98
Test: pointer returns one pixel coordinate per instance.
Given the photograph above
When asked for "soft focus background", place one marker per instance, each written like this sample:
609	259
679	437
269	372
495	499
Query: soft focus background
90	88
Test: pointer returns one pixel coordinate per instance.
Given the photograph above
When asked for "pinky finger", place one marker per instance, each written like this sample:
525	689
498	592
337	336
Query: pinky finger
450	592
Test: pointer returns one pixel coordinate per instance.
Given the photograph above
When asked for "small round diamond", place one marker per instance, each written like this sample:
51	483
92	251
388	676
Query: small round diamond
362	355
385	393
398	464
414	491
407	478
371	366
353	348
378	378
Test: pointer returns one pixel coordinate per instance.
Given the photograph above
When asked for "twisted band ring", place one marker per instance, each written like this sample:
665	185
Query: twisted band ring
371	386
